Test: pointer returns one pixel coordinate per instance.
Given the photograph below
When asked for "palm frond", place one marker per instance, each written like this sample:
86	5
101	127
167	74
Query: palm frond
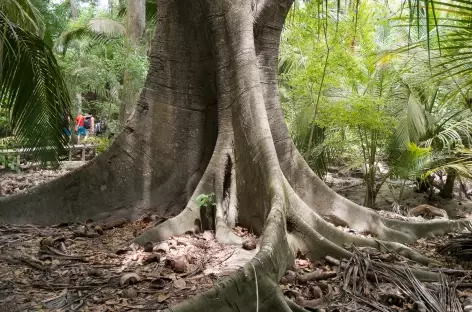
106	26
412	122
460	247
99	30
460	160
32	90
452	133
24	14
453	29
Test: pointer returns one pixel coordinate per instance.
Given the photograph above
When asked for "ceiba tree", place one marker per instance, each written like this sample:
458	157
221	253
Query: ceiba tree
209	120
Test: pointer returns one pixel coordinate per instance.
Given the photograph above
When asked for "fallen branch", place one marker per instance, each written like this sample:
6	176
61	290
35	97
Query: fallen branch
67	286
47	252
111	223
337	190
315	276
24	259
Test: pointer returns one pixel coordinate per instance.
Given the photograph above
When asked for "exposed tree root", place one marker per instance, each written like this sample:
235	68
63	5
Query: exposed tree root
358	217
294	307
303	232
239	291
189	219
209	120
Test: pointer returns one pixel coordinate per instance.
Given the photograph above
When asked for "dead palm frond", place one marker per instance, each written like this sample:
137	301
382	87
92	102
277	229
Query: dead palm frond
459	247
363	269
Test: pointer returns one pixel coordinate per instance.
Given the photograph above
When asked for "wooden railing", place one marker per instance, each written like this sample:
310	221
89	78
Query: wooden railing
17	152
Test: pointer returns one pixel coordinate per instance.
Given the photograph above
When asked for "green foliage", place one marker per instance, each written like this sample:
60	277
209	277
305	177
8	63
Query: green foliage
98	31
54	16
4	122
328	71
358	88
447	38
102	142
458	160
8	143
375	84
24	14
410	162
32	89
9	163
95	57
366	113
205	200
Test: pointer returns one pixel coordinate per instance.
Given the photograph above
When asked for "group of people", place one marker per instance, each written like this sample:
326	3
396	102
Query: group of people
85	126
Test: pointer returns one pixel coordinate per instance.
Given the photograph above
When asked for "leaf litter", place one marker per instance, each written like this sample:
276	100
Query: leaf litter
92	266
12	183
375	281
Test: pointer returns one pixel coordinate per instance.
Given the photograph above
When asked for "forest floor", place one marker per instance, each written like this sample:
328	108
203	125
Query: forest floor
91	266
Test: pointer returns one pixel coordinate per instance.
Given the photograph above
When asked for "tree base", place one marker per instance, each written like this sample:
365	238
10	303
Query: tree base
209	121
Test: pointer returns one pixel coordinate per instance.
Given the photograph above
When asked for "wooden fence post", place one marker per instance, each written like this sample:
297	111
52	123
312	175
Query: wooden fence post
18	162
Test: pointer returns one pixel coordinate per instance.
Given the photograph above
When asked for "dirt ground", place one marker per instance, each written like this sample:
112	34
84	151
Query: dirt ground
92	266
353	188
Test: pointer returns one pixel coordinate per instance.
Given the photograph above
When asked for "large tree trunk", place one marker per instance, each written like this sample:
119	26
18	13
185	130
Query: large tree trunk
209	120
135	25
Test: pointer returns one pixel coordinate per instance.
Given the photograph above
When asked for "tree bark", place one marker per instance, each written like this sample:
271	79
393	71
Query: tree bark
135	20
209	120
73	9
135	25
447	190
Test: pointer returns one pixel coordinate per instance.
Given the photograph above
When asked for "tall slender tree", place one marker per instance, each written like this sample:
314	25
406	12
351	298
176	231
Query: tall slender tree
73	9
209	120
135	25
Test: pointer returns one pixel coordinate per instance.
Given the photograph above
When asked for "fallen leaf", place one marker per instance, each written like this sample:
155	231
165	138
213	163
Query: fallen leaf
130	278
250	244
180	283
129	293
163	297
160	283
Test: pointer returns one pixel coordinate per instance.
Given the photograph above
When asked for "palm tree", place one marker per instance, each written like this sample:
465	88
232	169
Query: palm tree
125	28
433	134
439	117
32	89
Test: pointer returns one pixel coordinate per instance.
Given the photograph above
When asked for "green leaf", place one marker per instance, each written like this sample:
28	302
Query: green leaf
32	90
205	200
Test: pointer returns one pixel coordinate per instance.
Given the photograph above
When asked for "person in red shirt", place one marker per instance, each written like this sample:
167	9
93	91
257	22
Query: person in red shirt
79	122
